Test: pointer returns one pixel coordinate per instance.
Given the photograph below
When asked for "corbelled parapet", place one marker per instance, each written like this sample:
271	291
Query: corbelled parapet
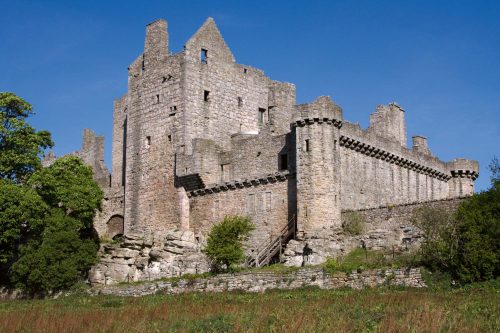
464	172
323	109
463	168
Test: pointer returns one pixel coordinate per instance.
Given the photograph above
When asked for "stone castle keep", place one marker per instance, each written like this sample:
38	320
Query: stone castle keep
198	136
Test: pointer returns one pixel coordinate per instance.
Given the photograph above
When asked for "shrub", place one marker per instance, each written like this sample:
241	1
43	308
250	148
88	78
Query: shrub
224	242
354	223
464	244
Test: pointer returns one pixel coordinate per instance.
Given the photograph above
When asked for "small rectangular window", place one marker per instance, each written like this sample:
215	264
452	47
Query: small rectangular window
204	56
307	145
206	94
240	101
251	203
283	162
262	113
148	141
169	138
268	201
334	144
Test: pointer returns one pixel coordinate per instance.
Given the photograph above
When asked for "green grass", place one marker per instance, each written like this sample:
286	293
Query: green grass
360	260
473	308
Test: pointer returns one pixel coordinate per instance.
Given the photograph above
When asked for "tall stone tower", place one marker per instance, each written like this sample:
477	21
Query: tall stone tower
463	172
317	137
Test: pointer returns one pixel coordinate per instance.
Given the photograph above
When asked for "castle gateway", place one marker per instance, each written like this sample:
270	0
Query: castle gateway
199	136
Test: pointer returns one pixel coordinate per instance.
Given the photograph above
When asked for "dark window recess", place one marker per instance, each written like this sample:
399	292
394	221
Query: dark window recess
148	141
169	138
157	98
307	145
334	144
261	115
203	56
173	108
245	70
206	94
240	101
283	162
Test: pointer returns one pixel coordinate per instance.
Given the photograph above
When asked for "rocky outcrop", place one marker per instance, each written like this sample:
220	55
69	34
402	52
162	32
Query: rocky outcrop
142	257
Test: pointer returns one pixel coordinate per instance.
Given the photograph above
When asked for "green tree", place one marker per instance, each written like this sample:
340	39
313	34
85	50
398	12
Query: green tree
21	213
68	185
21	146
66	245
466	243
58	259
439	246
225	242
478	236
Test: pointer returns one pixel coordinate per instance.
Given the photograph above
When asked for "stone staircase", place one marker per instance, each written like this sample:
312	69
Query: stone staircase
267	251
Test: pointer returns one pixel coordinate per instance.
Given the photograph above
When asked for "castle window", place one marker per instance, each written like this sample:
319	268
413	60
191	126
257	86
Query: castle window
206	93
157	99
240	101
148	141
307	145
169	138
334	144
262	112
268	201
251	203
245	70
283	162
203	56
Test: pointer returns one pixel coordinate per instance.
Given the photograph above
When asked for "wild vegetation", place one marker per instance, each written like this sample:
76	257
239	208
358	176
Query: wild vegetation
47	241
353	223
437	309
466	243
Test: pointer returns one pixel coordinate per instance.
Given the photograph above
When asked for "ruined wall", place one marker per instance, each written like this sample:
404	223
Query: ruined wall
378	171
109	222
268	201
119	142
261	281
152	201
388	226
253	156
389	121
221	113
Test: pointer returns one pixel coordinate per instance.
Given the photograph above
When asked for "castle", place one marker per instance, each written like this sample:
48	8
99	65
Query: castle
198	136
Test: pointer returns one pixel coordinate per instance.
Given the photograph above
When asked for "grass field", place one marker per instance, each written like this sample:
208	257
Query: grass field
437	309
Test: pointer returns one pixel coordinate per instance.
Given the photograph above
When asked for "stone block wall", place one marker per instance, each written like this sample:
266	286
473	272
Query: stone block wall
262	281
267	203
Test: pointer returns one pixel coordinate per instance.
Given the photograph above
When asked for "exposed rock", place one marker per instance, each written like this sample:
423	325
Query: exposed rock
139	258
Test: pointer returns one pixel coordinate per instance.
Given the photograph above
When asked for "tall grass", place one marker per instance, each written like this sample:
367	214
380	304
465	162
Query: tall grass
474	309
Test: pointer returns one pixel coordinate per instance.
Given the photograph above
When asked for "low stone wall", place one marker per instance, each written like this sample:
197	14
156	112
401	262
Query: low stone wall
261	281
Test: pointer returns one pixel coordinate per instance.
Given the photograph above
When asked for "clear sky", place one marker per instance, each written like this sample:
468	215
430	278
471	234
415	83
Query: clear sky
440	60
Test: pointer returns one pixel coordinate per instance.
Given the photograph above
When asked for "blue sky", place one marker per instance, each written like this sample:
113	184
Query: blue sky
440	60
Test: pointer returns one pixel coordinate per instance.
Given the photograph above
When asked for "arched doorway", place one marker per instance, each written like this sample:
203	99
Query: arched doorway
115	226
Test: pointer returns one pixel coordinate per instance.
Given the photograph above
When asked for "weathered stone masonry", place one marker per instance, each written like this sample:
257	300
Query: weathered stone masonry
198	136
